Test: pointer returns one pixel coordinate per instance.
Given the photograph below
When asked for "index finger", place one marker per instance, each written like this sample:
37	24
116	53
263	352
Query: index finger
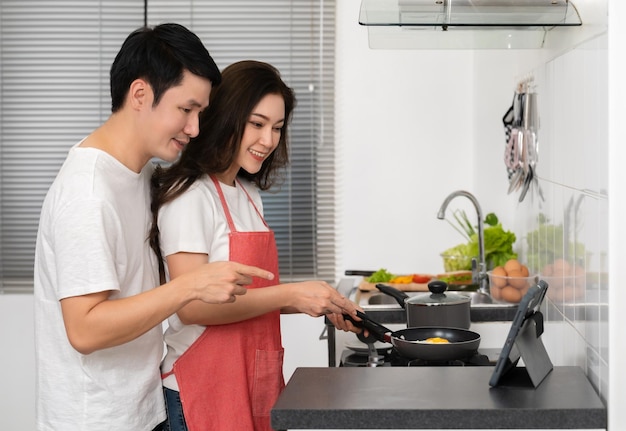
253	271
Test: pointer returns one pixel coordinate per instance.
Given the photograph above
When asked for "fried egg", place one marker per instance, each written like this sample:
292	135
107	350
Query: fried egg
436	340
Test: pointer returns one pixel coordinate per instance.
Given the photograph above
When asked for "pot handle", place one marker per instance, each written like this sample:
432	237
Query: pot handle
397	294
375	329
359	272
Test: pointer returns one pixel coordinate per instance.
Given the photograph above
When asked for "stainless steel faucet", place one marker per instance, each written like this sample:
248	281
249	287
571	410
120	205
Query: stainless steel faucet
479	269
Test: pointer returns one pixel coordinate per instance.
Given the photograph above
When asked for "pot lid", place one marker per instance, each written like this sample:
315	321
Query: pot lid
438	296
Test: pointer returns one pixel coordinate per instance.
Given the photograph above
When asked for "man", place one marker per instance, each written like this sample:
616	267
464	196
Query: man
98	312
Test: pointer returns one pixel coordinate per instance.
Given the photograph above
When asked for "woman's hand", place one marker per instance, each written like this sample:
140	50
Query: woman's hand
318	298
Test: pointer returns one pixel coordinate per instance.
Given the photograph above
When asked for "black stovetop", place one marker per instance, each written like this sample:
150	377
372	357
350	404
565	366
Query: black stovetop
390	358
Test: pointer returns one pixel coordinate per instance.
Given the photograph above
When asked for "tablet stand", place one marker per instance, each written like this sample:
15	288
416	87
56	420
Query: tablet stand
532	350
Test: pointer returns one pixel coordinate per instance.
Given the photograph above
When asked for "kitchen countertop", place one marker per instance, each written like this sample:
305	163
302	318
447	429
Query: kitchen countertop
436	398
478	313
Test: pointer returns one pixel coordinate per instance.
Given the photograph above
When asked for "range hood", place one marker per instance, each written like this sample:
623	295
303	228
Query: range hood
476	23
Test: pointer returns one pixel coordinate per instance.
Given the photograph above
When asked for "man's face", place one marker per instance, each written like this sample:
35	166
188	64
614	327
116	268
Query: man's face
175	120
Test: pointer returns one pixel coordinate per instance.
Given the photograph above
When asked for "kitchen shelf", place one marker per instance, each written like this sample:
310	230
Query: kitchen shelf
464	24
469	13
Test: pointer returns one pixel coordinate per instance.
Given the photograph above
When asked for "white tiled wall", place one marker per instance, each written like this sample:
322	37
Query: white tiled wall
573	169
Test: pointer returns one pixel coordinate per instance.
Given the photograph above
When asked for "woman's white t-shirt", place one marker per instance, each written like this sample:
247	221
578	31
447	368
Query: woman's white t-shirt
195	223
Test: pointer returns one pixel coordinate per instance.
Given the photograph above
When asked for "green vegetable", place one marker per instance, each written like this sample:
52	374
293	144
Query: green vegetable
457	258
498	242
498	245
491	219
380	276
466	228
546	244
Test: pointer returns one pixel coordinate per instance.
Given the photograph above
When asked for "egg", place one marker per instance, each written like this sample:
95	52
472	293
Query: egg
437	340
517	279
512	265
511	294
498	274
561	266
525	271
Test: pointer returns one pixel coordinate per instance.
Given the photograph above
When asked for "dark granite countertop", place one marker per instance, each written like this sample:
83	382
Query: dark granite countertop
436	398
385	309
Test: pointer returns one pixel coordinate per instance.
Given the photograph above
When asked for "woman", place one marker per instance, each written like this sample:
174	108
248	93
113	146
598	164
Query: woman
223	367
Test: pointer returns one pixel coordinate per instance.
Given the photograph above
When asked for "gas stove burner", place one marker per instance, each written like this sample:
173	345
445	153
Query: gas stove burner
359	360
393	359
474	360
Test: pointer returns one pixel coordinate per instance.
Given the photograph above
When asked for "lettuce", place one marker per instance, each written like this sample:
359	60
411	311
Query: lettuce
498	245
380	276
498	242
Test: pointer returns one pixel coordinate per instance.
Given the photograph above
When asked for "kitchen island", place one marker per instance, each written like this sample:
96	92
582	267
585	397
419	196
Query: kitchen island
436	398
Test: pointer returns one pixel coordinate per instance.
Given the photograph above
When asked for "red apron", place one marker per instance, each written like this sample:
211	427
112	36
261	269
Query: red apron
231	376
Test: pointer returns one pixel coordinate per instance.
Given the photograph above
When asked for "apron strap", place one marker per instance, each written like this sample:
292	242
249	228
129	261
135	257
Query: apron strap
229	218
252	202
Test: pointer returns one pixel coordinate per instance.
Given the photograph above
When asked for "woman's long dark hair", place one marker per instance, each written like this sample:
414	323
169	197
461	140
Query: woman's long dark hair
215	148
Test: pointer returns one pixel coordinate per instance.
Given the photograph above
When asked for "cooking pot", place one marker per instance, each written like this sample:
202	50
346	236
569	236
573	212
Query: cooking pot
411	343
437	308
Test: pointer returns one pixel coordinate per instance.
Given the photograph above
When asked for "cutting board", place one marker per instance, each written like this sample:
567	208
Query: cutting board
412	287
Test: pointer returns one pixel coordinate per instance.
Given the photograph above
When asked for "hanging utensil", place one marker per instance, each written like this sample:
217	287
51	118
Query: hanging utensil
519	109
507	121
533	126
515	180
512	121
527	183
527	145
511	153
531	147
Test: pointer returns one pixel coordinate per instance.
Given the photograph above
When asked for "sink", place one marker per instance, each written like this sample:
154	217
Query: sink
381	299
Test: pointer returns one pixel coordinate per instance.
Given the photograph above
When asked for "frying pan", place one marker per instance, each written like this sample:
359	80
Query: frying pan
410	342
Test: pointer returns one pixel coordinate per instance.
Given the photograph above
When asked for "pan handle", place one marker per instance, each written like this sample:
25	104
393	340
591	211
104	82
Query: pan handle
397	294
378	331
359	272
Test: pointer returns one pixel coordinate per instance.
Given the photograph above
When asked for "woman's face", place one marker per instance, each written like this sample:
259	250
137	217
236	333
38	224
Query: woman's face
261	134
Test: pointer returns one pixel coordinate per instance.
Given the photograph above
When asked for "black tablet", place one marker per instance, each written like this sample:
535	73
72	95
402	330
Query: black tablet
510	355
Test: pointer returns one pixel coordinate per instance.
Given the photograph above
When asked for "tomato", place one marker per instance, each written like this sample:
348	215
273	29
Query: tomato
420	279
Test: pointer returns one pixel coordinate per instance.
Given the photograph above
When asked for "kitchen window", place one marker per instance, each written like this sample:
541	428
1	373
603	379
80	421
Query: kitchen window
54	63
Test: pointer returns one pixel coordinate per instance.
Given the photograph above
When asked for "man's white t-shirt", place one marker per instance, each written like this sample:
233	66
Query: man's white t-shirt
92	238
195	223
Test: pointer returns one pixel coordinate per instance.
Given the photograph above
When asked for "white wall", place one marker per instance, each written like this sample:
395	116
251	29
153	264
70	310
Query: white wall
463	138
617	209
17	363
404	141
